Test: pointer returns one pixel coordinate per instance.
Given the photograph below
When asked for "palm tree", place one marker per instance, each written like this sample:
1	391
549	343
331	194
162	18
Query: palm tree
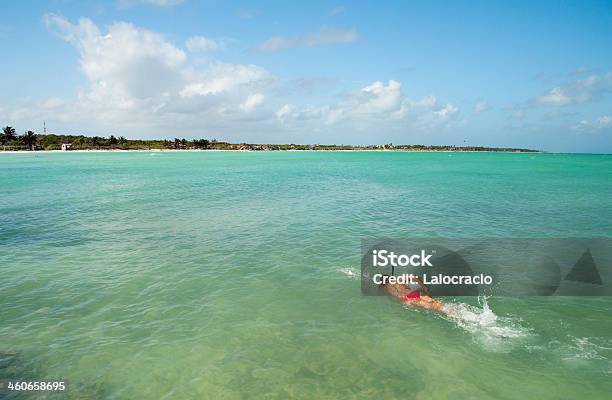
201	143
29	139
8	134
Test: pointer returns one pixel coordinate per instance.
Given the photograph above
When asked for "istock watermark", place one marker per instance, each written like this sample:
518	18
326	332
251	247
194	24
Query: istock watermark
498	266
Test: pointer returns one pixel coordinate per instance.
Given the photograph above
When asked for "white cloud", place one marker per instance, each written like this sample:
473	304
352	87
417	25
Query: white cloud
378	97
222	77
324	36
601	123
581	91
252	102
137	78
285	110
201	43
126	61
557	97
481	107
375	106
605	121
447	111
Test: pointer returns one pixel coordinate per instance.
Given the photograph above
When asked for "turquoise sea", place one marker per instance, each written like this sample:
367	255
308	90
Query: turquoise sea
235	275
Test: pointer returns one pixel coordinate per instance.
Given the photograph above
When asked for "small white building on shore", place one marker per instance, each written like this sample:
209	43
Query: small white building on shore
66	146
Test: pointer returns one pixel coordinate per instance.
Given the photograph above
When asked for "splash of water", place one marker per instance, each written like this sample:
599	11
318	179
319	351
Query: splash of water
491	330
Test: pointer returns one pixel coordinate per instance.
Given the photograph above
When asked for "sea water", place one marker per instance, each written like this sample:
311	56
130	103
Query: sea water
235	275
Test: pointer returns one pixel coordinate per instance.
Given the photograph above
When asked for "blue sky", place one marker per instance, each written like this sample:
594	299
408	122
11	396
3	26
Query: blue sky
535	74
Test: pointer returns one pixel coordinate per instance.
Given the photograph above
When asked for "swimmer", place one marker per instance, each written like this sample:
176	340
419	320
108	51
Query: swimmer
416	295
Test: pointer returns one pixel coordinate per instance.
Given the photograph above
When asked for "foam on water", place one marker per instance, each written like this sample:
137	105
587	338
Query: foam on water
588	348
484	324
582	351
350	272
493	332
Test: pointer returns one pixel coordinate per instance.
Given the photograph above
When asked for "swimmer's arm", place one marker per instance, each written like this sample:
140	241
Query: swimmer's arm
429	303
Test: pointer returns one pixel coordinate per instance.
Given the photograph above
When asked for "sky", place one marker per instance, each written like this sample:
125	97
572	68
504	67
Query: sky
505	74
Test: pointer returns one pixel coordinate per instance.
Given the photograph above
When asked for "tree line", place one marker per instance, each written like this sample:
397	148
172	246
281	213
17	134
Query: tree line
9	137
29	140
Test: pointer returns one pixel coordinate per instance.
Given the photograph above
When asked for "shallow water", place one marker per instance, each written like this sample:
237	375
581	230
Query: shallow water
236	275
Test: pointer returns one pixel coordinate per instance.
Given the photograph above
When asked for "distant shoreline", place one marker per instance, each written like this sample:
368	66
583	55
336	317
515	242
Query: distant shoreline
31	141
262	151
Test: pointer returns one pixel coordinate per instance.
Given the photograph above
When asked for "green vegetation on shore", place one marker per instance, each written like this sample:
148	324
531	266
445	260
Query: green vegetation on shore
32	141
